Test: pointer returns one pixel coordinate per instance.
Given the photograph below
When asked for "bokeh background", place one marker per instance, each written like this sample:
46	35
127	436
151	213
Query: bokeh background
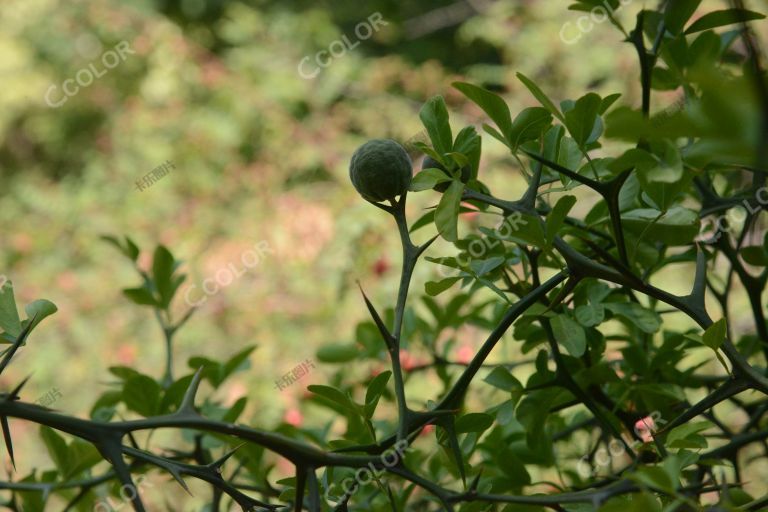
259	156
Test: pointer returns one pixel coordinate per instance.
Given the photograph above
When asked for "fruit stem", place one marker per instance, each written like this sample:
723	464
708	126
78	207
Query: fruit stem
410	257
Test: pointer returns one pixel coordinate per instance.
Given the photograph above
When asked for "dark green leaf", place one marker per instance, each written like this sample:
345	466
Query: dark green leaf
473	422
492	104
724	17
539	95
569	334
141	394
162	270
141	296
677	14
581	119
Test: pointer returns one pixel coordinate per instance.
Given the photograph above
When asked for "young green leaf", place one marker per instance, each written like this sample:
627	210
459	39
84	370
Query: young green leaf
434	116
556	217
9	315
337	353
582	118
434	288
715	334
162	270
447	214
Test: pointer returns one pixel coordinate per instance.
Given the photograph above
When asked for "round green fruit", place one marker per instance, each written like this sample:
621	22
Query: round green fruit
431	163
380	170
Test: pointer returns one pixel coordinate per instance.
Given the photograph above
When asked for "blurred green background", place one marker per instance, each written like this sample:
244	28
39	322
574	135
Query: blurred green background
260	155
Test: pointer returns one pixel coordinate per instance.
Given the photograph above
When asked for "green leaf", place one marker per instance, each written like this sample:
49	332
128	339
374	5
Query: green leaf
513	467
678	226
236	363
473	422
581	119
482	267
606	102
57	448
590	315
677	14
82	456
129	249
447	214
656	477
569	156
162	271
501	378
715	334
375	389
337	353
687	435
529	124
493	132
141	296
721	18
434	288
336	396
468	142
755	255
569	334
141	394
492	104
663	180
540	96
525	229
9	315
235	411
556	217
427	179
635	502
39	310
644	319
434	116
